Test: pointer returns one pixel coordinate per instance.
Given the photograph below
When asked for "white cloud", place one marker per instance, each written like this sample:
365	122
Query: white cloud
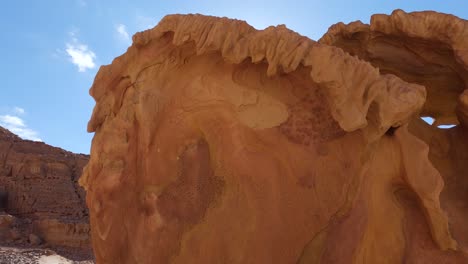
12	120
17	125
80	54
122	30
19	110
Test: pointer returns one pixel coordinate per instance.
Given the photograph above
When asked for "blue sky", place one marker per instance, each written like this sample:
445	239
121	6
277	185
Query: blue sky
51	50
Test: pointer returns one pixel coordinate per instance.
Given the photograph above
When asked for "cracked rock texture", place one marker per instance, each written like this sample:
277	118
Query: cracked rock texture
219	143
39	191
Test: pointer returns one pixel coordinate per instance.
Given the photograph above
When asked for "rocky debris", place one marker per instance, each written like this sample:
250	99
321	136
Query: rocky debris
38	186
71	233
6	231
34	256
14	234
6	221
218	143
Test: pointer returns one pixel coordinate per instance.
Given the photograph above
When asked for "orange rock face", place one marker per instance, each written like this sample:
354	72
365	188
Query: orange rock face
427	48
218	143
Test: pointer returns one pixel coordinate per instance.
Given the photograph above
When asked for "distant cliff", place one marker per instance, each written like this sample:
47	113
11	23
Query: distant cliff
38	187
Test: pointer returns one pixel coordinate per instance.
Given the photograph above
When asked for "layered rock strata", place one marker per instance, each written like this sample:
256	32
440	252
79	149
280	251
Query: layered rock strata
39	188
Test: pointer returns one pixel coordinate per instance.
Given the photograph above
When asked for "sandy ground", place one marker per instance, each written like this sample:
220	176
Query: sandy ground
10	255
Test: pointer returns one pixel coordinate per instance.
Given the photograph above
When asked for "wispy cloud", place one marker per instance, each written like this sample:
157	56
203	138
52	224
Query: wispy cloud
122	31
12	120
19	110
17	125
80	54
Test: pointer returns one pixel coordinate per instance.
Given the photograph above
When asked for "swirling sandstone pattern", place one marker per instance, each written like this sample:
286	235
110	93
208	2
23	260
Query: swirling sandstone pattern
430	49
427	48
218	143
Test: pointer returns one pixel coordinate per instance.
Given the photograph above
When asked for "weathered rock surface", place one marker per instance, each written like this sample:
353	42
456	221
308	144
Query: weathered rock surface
426	48
38	186
6	223
219	143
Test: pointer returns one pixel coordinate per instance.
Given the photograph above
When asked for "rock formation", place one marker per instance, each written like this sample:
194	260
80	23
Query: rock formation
430	49
218	143
426	48
40	194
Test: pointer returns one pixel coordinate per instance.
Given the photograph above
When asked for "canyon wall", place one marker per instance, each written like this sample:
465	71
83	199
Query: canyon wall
41	195
219	143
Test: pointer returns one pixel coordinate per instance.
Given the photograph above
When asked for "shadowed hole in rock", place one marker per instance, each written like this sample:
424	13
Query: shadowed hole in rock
3	200
391	131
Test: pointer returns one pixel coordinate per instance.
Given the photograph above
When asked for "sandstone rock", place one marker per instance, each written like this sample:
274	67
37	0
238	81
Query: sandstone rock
14	234
38	184
34	240
59	232
6	221
218	143
426	48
